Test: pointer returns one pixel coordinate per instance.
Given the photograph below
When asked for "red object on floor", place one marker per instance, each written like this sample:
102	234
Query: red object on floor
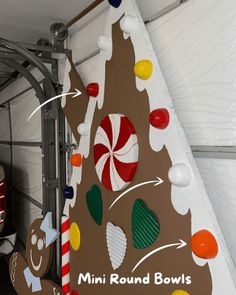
159	118
93	89
76	160
204	245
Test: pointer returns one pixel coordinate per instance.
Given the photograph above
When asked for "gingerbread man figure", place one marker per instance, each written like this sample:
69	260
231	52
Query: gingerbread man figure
28	272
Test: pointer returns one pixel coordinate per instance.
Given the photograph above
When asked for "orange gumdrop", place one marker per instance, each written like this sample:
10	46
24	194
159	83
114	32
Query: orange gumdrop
204	245
76	160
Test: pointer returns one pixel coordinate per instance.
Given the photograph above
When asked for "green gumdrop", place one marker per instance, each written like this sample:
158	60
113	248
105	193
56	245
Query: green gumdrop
145	225
95	203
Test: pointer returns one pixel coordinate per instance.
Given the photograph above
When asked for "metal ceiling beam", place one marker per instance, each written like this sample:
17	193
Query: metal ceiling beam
14	65
214	152
41	48
31	58
83	13
5	74
15	56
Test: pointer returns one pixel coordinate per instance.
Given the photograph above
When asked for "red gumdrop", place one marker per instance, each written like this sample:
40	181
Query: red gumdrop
93	89
159	118
74	292
204	245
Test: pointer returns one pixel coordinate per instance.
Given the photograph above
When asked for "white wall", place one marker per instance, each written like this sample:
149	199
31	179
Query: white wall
5	159
4	124
195	45
220	177
21	108
27	161
5	153
25	214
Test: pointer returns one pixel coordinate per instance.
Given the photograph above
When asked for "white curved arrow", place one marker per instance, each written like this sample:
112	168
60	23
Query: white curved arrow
76	93
180	245
156	181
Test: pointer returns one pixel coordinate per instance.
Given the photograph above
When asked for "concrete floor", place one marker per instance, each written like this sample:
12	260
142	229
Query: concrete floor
5	283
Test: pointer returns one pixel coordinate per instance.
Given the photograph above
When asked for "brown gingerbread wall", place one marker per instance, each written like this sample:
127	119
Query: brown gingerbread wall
122	96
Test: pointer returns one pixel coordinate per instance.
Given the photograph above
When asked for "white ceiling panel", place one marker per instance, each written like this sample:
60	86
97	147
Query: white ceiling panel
29	20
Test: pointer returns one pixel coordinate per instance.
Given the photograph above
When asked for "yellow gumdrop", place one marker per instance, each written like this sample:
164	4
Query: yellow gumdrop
143	69
75	236
180	292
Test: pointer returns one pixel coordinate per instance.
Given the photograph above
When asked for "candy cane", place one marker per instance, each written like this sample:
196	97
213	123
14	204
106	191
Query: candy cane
65	235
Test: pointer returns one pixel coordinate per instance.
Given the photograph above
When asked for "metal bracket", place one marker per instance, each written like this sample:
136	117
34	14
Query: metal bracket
59	88
52	183
68	147
49	114
59	34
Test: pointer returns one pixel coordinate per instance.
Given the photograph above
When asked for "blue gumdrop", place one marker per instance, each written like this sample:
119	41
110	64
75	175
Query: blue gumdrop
115	3
69	192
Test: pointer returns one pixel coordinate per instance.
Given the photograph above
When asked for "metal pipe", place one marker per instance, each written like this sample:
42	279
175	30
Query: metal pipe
14	75
19	94
21	194
42	48
91	55
34	60
27	75
11	151
5	74
215	152
10	54
83	13
22	143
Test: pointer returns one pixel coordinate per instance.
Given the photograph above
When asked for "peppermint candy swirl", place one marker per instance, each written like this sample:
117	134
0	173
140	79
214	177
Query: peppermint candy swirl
116	152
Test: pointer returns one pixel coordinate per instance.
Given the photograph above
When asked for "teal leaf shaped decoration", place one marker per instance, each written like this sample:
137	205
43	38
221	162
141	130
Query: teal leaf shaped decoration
95	204
145	225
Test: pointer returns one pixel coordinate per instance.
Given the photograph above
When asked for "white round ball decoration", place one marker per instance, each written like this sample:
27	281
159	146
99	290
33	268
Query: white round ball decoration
104	43
83	129
180	175
128	24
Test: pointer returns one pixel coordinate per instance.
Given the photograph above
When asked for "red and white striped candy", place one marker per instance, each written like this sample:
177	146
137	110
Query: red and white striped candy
65	238
115	152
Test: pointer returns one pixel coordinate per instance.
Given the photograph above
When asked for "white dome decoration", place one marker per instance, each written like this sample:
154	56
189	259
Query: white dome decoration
128	24
180	175
83	129
104	43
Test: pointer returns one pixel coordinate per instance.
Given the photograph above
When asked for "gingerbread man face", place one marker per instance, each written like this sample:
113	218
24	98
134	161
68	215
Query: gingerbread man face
38	253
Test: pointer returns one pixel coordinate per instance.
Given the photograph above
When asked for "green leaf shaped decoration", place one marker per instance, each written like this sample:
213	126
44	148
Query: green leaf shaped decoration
145	225
95	203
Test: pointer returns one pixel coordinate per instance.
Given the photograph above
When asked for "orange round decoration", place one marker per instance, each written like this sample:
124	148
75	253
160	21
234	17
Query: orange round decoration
204	245
76	160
